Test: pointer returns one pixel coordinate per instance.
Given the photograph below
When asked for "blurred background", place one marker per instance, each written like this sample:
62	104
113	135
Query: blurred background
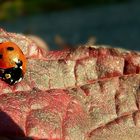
72	22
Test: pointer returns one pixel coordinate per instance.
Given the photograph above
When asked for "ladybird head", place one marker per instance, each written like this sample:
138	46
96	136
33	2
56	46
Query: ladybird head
12	75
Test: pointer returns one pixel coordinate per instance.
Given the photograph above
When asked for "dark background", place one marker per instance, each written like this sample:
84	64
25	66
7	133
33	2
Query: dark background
112	22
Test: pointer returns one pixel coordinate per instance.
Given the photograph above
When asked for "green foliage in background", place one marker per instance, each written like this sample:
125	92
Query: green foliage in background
9	9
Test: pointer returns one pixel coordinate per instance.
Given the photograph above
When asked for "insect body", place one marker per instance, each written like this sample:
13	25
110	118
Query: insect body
12	63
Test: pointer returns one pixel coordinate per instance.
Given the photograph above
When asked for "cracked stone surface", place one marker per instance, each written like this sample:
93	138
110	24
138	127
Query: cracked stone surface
91	93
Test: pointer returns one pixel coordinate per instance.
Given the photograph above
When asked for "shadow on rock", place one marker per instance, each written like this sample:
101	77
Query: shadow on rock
9	130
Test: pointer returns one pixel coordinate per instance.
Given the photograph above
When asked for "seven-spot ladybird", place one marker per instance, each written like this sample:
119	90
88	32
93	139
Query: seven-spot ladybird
12	63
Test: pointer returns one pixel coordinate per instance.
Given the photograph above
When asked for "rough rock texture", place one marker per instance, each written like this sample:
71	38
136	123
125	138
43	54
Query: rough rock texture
90	93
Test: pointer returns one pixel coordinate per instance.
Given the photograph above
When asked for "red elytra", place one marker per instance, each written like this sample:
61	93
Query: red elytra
9	54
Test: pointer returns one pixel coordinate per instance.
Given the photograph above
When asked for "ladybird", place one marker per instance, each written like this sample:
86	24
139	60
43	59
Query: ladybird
12	63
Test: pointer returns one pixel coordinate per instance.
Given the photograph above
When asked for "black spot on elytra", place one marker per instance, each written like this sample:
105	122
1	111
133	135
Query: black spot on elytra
1	56
10	48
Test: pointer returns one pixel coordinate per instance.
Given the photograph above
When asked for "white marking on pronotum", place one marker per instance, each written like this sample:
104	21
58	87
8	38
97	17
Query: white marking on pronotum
19	79
7	76
15	82
20	67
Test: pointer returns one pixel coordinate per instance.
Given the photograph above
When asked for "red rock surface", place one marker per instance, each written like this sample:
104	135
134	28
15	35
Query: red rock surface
83	94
